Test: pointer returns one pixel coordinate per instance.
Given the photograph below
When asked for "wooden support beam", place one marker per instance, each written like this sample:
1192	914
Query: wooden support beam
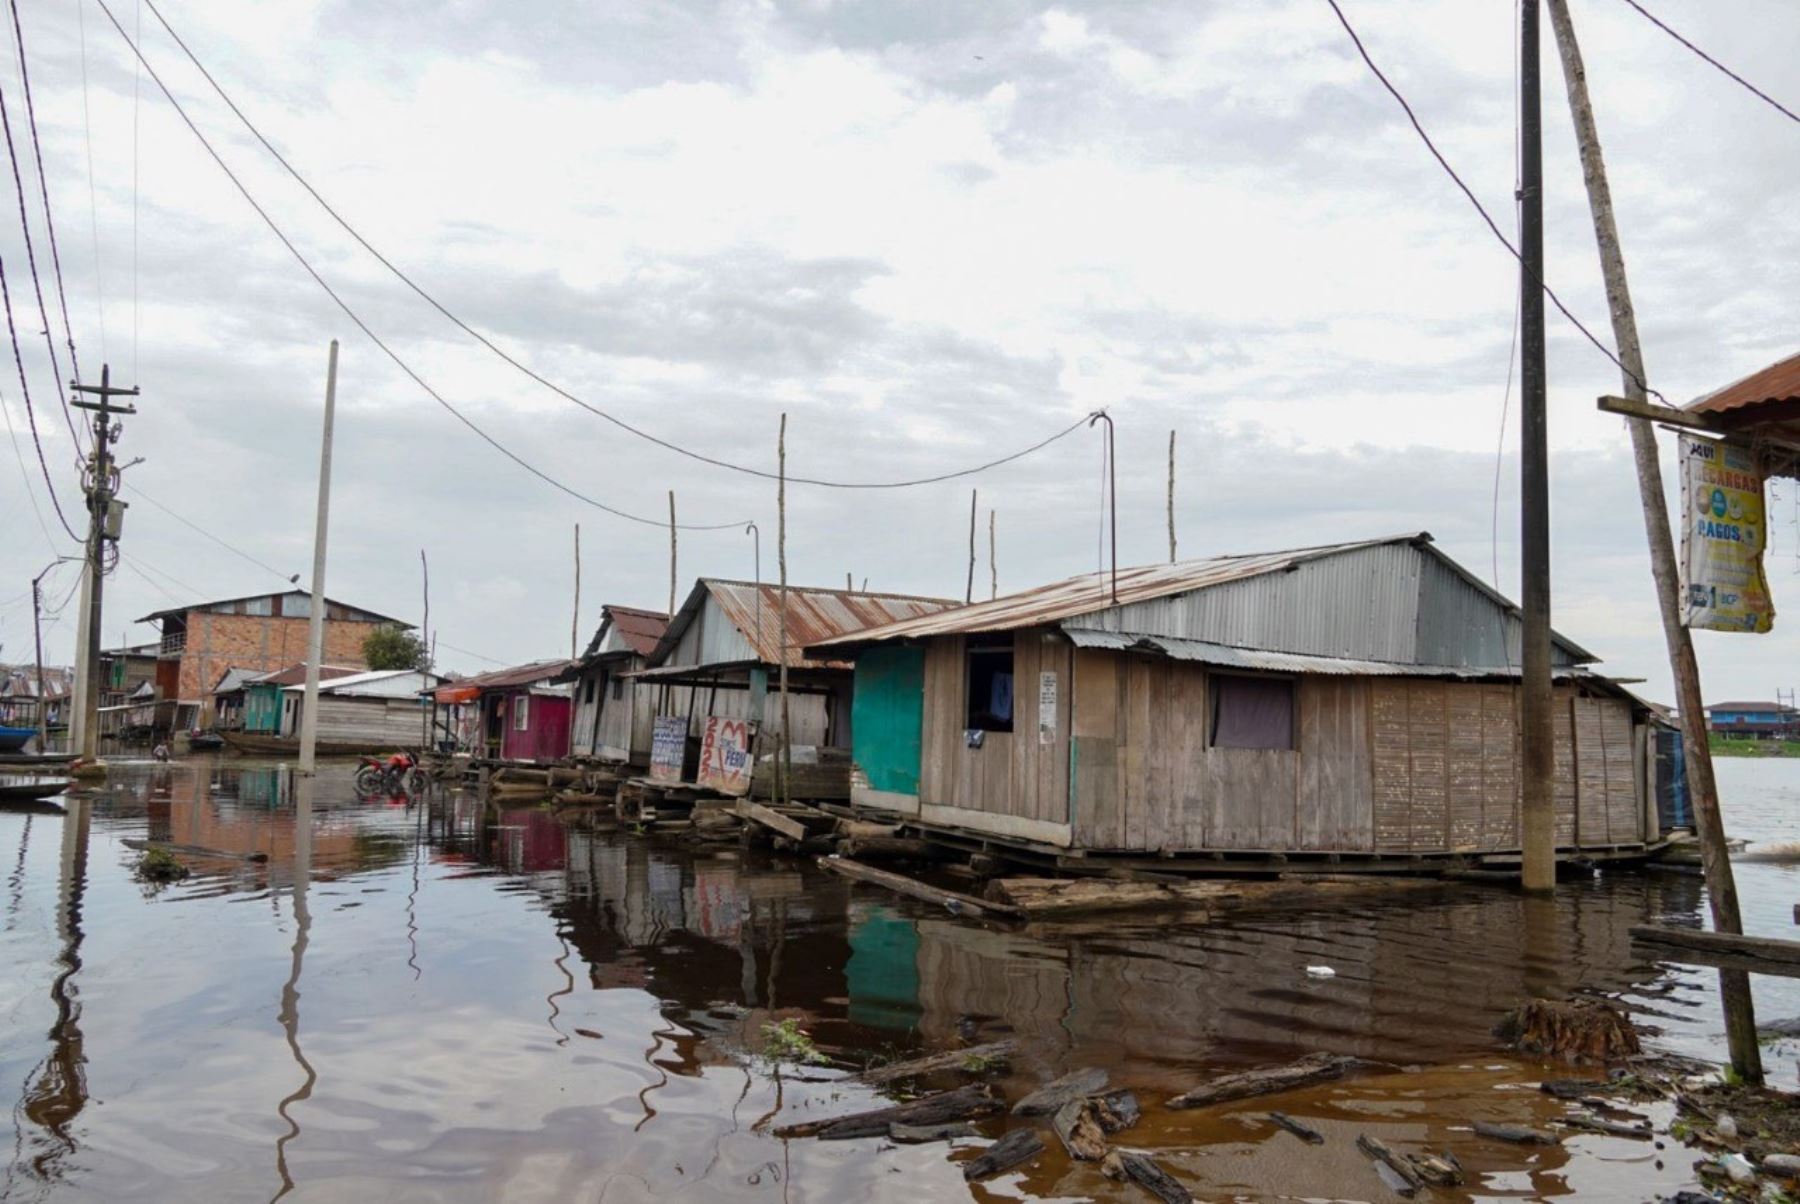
960	904
1628	408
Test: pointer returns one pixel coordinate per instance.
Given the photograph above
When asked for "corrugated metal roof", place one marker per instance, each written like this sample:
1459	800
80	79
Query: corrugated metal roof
813	616
1226	657
518	675
1759	707
1779	381
1093	592
640	629
384	683
294	674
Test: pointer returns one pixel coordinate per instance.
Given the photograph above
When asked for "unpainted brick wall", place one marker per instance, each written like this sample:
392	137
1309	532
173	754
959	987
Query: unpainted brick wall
216	643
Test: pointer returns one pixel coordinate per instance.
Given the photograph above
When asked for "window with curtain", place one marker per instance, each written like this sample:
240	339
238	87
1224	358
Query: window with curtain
1252	712
521	712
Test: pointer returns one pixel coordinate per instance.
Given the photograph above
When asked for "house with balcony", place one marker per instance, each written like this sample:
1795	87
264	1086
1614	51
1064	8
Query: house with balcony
259	633
1758	720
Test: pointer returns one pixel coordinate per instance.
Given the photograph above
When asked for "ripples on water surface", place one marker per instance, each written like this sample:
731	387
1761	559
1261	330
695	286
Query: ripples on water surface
469	1004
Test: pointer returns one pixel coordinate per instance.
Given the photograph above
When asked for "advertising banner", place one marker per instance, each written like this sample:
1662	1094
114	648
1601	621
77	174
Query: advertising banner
668	744
1723	536
725	755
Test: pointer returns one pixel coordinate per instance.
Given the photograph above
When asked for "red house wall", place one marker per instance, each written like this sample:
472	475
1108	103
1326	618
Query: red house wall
546	734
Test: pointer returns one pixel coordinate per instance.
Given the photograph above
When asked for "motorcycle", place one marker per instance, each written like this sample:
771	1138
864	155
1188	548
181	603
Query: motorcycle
393	775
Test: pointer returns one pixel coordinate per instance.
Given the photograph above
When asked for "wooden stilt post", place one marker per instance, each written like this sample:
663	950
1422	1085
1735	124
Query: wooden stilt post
1721	888
786	755
1171	497
969	589
575	619
671	553
993	564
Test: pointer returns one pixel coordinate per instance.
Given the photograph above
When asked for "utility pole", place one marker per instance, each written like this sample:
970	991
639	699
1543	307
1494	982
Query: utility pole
1721	887
786	763
1537	818
671	553
993	561
1171	497
425	643
105	518
37	637
575	621
315	632
969	589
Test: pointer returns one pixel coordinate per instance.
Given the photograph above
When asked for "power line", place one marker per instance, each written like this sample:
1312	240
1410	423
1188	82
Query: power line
30	414
565	394
31	259
1482	209
1752	88
236	551
87	126
25	478
453	648
364	327
37	151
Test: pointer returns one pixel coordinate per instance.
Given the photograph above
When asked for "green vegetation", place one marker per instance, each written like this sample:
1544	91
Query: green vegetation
786	1041
1750	746
390	647
978	1064
159	865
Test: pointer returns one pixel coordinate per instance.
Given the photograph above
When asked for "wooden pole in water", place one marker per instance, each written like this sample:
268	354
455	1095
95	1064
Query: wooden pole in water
1537	741
575	620
671	553
969	589
1171	497
315	641
1721	888
425	643
786	757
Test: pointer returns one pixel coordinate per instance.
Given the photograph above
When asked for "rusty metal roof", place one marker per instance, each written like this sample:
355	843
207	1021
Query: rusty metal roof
518	675
813	616
641	630
1091	592
1779	382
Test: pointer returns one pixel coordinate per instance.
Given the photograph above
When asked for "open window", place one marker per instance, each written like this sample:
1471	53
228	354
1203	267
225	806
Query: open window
990	677
521	712
1252	712
618	688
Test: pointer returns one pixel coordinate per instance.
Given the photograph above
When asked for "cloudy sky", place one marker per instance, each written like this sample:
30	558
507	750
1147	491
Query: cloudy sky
931	234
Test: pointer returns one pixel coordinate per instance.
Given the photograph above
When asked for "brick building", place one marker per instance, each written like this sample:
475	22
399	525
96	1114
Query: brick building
261	632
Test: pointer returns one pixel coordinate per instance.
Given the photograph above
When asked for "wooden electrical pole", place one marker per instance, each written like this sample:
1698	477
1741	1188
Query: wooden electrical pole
785	762
1537	744
993	564
101	484
969	589
671	553
425	645
1721	888
575	619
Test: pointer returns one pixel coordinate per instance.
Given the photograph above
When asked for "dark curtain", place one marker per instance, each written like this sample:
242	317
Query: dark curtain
1253	712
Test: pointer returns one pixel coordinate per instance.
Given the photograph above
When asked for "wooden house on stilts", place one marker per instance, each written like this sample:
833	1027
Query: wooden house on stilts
612	715
1356	703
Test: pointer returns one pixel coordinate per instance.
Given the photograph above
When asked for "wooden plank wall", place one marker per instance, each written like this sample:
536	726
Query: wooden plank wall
1013	773
1445	767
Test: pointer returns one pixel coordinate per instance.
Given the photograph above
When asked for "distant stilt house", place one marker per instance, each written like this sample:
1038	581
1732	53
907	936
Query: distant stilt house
1357	699
523	713
721	654
612	716
247	700
380	708
1757	720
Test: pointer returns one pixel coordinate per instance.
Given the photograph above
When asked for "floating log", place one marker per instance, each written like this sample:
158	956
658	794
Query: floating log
959	904
899	848
992	1054
1584	1030
1611	1128
1077	1126
581	798
772	819
863	827
961	1104
1394	1181
1690	946
1517	1134
1020	1145
1572	1089
1385	1159
1117	1110
1054	897
1041	897
1439	1170
922	1134
192	850
1143	1170
1304	1132
1313	1068
1077	1084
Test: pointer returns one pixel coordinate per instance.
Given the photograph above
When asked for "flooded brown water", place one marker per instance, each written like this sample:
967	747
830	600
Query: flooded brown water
443	1001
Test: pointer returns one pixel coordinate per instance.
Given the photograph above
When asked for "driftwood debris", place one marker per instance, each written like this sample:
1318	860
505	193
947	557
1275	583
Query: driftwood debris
1313	1068
1019	1145
1050	898
1611	1128
970	1059
1516	1134
1077	1126
1583	1030
1399	1171
897	848
1304	1132
1117	1110
922	1134
952	901
1077	1084
961	1104
1123	1165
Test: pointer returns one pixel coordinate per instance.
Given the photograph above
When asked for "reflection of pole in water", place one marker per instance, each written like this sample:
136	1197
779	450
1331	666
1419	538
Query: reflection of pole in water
56	1092
290	993
15	885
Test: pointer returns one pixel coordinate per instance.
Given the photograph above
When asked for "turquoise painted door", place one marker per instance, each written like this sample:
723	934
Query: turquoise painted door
886	717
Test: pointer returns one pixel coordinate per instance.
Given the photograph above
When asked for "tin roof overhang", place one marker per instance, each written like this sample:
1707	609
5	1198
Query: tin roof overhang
1224	656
